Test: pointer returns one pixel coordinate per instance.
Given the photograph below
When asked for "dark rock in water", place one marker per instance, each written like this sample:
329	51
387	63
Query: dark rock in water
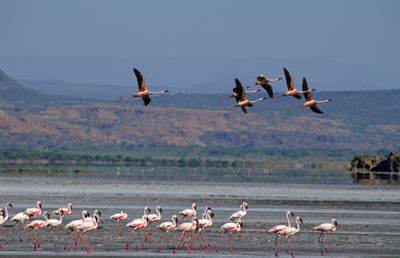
388	163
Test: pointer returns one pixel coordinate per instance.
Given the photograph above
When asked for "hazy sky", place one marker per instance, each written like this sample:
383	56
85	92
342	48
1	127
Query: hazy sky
356	32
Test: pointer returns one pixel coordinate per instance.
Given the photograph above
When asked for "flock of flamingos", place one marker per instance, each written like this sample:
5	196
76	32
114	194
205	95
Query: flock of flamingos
240	94
193	229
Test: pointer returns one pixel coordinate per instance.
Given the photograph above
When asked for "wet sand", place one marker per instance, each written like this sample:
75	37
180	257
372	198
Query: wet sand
368	216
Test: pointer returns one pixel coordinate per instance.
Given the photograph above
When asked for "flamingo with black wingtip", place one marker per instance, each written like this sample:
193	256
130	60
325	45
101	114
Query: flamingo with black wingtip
325	227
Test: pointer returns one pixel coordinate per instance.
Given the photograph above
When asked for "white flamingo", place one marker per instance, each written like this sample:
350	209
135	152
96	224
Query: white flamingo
243	102
236	96
143	93
84	228
3	219
204	223
288	232
232	227
71	227
185	228
325	227
310	102
292	91
137	224
52	223
240	213
19	218
118	217
165	227
34	211
154	217
35	225
278	228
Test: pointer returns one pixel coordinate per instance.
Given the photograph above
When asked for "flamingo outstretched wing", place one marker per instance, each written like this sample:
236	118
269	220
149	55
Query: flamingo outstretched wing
140	79
316	109
239	89
307	94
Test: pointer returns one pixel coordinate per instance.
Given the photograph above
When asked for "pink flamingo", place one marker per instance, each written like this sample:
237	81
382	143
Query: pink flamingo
19	217
143	93
243	102
36	224
166	226
52	223
188	212
73	225
86	226
290	85
288	232
264	82
154	217
205	222
3	219
34	211
325	227
278	228
232	227
310	102
136	224
241	213
64	210
236	96
185	228
118	217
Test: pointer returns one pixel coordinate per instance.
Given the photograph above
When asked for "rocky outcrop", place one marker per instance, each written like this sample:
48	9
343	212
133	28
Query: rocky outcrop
388	163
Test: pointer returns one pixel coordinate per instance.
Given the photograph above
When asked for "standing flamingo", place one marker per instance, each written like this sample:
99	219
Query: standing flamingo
35	225
52	223
71	227
166	226
290	85
278	228
325	227
243	102
19	217
290	231
241	213
3	219
205	222
185	228
34	211
136	224
84	228
143	93
154	217
232	227
118	217
310	102
188	212
64	210
264	82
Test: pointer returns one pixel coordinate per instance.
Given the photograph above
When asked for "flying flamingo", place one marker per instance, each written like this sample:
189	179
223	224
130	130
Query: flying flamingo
136	224
290	231
84	228
19	217
310	102
325	227
65	211
36	224
278	228
290	85
118	217
205	222
154	217
264	82
185	228
73	225
241	213
232	227
243	102
236	96
3	219
34	211
51	223
166	226
143	93
188	212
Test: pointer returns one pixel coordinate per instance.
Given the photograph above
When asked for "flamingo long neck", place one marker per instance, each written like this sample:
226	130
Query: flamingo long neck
288	220
238	225
298	226
158	212
251	91
173	221
272	80
323	101
61	218
257	100
6	214
158	92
